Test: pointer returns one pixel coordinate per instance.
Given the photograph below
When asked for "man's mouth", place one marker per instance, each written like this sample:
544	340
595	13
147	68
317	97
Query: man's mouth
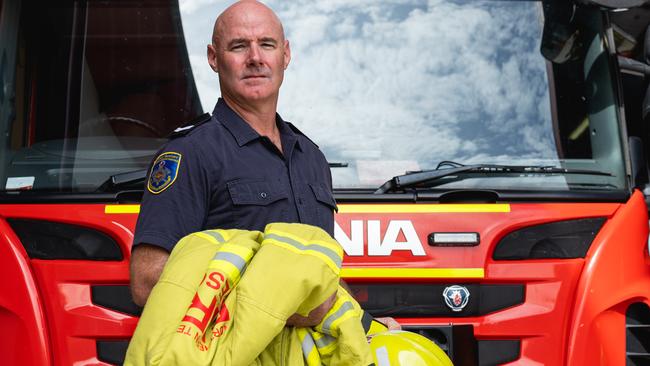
254	77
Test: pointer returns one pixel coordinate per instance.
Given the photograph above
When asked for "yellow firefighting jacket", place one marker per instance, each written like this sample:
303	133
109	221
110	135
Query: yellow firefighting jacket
224	297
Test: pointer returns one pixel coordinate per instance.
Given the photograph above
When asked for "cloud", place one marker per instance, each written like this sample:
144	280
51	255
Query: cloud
419	81
190	7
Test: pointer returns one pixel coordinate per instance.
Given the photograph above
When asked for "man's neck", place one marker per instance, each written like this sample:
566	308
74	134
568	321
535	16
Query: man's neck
260	117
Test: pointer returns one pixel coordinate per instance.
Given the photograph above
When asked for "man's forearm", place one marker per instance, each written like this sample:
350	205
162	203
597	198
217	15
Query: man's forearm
147	263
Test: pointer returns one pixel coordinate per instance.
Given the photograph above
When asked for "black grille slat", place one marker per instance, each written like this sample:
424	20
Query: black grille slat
112	352
497	352
115	297
457	341
426	300
637	335
56	240
554	240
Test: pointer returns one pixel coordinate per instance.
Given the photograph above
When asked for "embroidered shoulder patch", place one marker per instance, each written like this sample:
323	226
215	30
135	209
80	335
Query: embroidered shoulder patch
164	172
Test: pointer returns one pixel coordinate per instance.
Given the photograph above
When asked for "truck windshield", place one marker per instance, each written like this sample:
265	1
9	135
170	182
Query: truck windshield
383	87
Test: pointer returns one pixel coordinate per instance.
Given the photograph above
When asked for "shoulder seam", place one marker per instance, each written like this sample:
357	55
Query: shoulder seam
188	127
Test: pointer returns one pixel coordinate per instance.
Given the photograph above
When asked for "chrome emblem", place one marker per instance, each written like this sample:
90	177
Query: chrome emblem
456	297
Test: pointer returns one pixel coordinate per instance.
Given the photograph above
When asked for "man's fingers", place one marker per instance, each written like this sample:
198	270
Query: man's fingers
391	323
315	316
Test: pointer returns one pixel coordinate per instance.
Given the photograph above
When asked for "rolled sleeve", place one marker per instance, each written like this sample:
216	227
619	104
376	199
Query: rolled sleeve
180	207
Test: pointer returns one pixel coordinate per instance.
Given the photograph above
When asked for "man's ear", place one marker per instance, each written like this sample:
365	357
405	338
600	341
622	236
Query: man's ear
287	53
212	58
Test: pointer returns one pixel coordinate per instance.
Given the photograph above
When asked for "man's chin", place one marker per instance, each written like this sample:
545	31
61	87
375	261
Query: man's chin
257	94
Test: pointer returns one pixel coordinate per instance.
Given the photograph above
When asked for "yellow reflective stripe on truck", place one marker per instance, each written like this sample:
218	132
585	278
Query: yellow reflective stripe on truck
122	209
424	208
412	272
379	208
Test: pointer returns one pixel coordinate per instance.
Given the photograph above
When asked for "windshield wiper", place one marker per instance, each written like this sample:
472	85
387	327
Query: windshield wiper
338	164
123	179
415	178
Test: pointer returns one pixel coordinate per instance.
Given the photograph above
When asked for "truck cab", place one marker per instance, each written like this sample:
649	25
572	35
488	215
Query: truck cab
488	161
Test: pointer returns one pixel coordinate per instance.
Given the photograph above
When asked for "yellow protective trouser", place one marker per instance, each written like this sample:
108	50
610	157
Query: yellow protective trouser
224	297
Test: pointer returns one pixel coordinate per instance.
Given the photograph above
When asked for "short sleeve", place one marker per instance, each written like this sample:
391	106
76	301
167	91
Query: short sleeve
176	195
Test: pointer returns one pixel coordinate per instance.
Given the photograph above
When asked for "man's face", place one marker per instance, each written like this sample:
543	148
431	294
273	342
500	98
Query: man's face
250	54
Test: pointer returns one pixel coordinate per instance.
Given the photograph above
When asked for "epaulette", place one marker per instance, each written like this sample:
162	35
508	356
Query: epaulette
296	130
189	126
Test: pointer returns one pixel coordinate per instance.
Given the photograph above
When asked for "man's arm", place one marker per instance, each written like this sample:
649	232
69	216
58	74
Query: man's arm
147	262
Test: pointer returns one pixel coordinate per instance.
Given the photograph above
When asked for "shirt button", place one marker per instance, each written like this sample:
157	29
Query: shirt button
263	194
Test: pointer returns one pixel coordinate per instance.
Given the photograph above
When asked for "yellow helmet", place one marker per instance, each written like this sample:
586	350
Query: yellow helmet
402	348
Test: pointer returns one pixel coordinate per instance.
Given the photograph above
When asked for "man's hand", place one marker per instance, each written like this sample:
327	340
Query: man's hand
391	323
315	316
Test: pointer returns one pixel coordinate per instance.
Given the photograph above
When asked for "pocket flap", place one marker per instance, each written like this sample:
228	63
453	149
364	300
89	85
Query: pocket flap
255	192
323	195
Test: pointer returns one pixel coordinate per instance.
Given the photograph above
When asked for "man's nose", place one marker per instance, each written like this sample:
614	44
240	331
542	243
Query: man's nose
254	54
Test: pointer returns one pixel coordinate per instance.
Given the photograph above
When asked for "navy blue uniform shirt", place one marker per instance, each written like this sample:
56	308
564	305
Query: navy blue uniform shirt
223	175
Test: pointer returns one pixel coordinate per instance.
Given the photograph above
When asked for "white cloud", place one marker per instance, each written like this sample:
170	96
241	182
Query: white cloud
189	7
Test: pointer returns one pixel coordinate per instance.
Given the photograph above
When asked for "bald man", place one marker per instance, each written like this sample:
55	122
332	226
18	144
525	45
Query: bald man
241	168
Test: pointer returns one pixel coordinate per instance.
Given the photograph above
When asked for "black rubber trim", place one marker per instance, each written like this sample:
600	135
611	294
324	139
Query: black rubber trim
37	197
341	196
497	352
349	196
55	240
114	297
112	352
413	300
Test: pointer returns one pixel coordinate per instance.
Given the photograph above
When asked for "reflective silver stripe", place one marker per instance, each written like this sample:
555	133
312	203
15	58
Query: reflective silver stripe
315	247
307	345
324	341
215	235
382	356
233	258
339	313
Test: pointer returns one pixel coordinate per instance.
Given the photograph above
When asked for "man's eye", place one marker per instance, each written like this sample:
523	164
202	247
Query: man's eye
237	47
268	46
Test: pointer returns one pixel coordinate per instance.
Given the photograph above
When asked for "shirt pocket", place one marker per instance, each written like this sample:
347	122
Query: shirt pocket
257	203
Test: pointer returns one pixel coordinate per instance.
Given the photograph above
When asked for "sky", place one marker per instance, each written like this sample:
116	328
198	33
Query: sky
392	86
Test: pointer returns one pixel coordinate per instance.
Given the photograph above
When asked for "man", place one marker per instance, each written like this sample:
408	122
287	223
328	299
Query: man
245	167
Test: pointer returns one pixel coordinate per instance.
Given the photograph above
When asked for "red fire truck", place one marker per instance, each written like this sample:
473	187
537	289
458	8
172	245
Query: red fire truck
488	175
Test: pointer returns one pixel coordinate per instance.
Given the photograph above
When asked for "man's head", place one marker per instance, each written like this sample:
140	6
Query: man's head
249	52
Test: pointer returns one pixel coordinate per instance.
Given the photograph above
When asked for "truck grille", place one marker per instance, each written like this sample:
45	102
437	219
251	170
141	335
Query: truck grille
464	350
426	300
637	335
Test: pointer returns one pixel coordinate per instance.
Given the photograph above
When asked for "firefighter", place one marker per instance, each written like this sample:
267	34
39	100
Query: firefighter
241	168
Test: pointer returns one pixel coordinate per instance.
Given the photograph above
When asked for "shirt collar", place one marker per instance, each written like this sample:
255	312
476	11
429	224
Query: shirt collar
242	131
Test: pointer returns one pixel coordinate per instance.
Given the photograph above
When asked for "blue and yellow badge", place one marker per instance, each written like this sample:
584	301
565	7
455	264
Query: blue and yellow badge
164	172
